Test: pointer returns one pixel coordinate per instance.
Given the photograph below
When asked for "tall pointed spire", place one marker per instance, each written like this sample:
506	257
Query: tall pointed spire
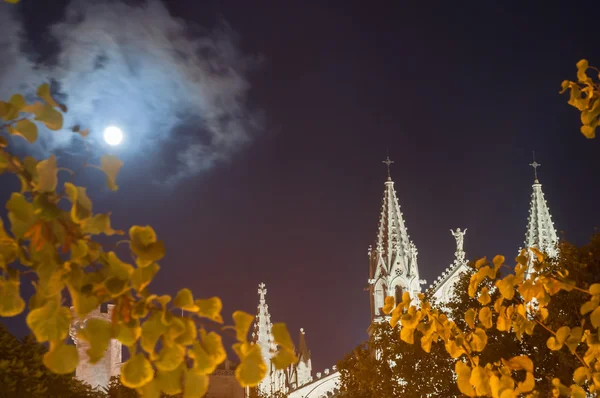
393	261
262	335
304	367
540	233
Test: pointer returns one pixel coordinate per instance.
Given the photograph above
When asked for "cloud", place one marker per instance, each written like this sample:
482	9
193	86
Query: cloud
179	96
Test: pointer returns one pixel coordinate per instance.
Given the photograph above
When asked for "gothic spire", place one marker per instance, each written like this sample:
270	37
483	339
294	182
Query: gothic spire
303	352
262	326
393	241
540	228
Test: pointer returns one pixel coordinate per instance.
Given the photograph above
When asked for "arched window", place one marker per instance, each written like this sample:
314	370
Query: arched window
398	294
379	296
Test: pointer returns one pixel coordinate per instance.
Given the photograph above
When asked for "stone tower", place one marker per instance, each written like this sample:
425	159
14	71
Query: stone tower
304	366
393	267
99	374
540	233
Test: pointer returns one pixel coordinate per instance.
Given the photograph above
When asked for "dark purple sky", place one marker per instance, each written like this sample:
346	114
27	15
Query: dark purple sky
460	95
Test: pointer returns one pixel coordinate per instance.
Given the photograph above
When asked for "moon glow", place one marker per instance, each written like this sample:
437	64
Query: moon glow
113	135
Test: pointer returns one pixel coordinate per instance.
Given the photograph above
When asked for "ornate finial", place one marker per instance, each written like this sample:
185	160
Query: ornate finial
262	291
388	162
535	165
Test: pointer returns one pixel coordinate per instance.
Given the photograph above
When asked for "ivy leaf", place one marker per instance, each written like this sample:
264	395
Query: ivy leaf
11	303
98	333
62	358
242	321
47	175
185	301
145	245
111	165
52	118
26	129
50	322
196	384
137	372
210	308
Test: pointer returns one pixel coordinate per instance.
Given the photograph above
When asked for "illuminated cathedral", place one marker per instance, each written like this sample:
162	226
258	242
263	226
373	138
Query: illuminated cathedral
393	270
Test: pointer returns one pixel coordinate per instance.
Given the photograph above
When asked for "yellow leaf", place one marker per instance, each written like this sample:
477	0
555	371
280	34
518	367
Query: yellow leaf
170	382
480	380
47	172
498	261
152	329
149	390
11	303
21	215
50	322
15	104
577	392
213	344
185	300
210	308
196	384
136	372
282	336
62	358
553	344
484	296
26	129
574	338
389	304
242	321
463	373
527	385
98	333
595	317
99	224
203	362
52	118
252	368
595	289
145	245
128	334
507	286
479	340
588	131
43	92
170	357
189	333
284	358
470	318
407	335
111	165
480	262
581	374
81	210
143	276
520	362
485	317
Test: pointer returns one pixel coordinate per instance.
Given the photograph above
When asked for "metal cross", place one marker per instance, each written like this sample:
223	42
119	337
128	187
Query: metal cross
535	165
388	162
262	291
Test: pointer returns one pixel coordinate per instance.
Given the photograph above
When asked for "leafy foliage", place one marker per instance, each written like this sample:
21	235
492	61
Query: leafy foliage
585	96
22	373
53	237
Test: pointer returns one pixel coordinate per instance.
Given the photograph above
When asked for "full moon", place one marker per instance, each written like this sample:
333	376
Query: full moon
113	135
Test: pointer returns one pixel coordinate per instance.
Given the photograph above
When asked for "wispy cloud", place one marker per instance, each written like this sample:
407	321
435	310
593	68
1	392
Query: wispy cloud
179	96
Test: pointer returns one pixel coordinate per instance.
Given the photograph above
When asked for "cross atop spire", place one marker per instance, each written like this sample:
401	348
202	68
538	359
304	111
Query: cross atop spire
535	165
388	162
262	291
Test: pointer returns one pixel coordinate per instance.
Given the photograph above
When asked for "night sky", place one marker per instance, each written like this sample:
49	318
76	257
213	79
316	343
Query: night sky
460	96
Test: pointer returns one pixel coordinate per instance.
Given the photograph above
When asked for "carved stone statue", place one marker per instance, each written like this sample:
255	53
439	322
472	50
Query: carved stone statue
460	238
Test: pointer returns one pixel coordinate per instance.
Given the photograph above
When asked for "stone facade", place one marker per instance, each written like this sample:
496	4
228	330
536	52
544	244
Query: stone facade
99	374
